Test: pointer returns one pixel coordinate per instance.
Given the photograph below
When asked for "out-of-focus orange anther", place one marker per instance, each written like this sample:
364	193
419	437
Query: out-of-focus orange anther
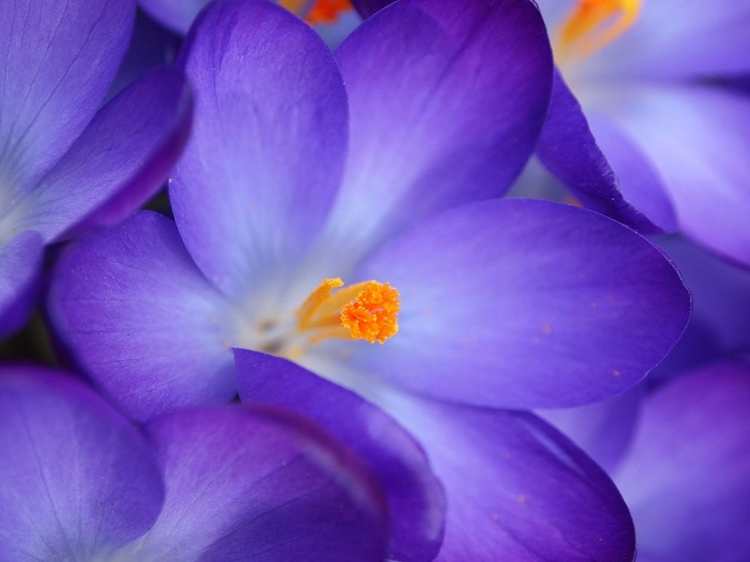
327	11
593	24
365	311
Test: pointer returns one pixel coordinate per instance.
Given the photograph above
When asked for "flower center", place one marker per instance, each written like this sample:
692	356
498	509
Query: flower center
363	311
318	11
593	24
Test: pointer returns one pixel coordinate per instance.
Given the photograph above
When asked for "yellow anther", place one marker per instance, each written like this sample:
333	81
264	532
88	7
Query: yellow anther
593	24
366	311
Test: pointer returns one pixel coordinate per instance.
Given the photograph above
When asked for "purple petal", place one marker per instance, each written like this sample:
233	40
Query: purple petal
621	185
58	60
177	15
366	8
720	291
20	265
670	39
151	46
264	161
719	324
447	100
259	486
523	303
415	497
686	478
515	487
605	429
119	161
78	480
141	319
697	139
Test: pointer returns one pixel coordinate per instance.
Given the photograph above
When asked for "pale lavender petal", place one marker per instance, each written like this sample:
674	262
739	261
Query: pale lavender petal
56	62
415	497
697	139
263	164
78	481
20	266
686	478
257	485
525	304
118	162
141	320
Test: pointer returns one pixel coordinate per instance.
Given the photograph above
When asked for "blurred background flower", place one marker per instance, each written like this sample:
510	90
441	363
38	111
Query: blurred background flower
680	455
664	139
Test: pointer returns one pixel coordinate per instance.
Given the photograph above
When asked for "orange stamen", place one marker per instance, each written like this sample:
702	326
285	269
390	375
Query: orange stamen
365	311
327	11
593	24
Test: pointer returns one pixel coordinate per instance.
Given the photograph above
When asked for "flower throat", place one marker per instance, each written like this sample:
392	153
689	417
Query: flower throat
363	311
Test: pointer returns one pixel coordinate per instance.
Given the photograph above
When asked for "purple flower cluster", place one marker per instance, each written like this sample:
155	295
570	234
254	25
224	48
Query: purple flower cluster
333	339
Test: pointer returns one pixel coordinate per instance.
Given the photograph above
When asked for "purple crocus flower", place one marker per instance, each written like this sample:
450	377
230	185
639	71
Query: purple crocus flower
64	167
292	182
211	484
661	146
681	457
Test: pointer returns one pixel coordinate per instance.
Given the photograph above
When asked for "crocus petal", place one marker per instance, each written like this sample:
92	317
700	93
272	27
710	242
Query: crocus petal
20	265
177	15
368	7
447	100
697	139
119	161
719	324
523	303
59	58
621	185
669	39
605	429
151	46
685	478
263	164
516	488
414	496
254	485
141	319
720	291
78	480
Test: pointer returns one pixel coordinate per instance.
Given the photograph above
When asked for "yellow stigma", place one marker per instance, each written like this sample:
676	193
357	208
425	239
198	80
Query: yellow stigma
365	311
593	24
318	11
